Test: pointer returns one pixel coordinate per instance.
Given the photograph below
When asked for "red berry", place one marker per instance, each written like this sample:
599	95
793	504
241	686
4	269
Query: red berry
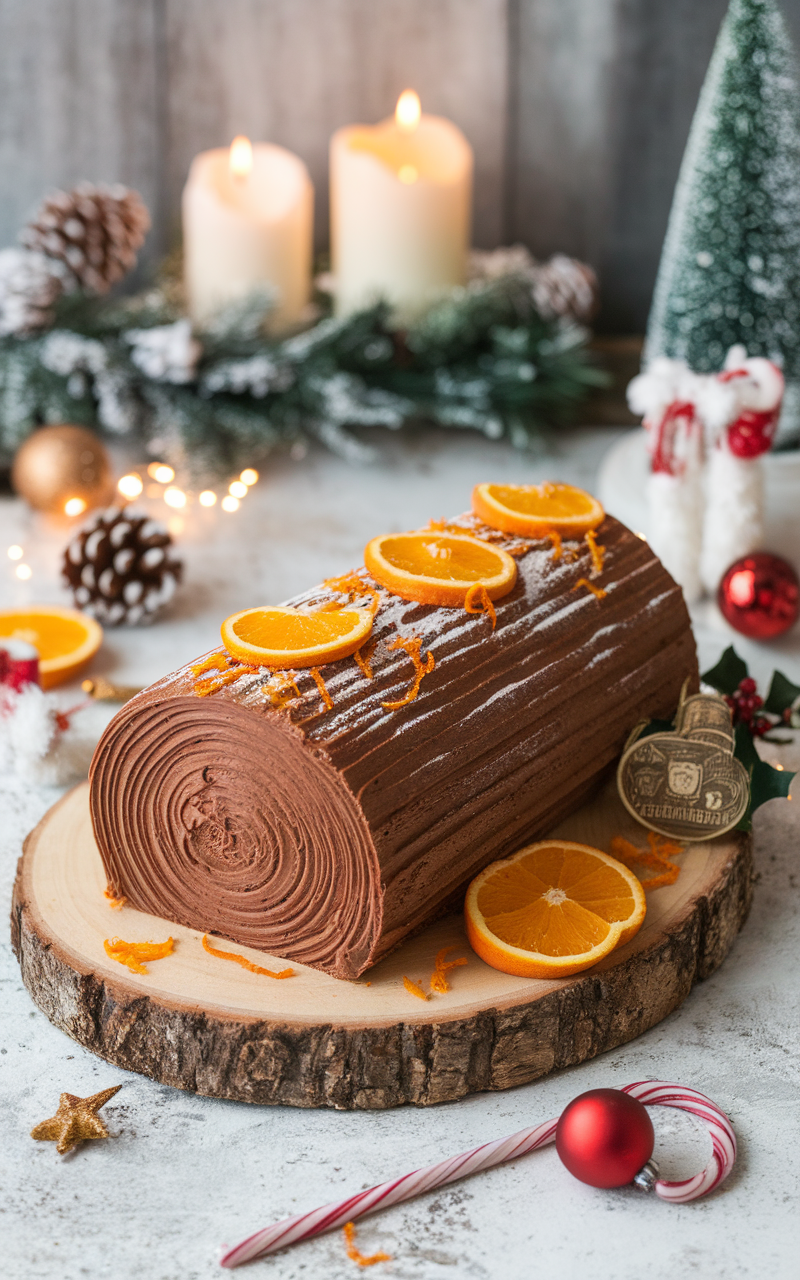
748	685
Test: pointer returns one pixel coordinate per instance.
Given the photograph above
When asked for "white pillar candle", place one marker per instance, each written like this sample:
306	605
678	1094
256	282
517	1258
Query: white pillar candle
247	223
401	195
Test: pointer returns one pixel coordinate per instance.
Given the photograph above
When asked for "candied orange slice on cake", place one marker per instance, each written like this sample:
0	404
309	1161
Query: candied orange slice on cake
553	909
65	639
532	510
275	636
439	568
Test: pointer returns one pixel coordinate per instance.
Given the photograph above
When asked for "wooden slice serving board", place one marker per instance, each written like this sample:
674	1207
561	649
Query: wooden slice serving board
205	1024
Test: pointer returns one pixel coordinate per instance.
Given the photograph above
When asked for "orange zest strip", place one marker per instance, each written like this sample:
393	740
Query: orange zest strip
663	848
597	552
472	524
477	601
555	540
596	591
134	954
352	585
412	646
323	692
414	989
243	961
355	1254
657	858
214	662
205	687
281	688
439	981
113	900
363	658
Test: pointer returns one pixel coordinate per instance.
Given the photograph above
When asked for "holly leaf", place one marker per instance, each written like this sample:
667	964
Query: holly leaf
782	693
766	782
729	672
744	748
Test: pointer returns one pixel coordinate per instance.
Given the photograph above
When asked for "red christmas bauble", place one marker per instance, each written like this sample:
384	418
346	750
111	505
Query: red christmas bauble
760	595
605	1137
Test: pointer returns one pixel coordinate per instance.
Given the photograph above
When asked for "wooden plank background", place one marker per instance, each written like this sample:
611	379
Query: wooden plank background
578	110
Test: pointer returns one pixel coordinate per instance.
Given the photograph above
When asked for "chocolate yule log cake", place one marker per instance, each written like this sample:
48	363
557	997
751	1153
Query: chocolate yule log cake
323	814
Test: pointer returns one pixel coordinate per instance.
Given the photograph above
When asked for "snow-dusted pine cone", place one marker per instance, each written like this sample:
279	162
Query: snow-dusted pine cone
120	568
28	290
564	286
94	232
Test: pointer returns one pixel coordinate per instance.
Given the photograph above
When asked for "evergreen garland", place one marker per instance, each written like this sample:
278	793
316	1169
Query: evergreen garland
484	357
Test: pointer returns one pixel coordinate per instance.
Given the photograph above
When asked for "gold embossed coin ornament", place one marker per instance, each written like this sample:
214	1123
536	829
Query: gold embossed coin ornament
687	783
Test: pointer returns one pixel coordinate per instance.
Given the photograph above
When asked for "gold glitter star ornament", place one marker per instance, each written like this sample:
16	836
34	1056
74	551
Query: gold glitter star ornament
75	1120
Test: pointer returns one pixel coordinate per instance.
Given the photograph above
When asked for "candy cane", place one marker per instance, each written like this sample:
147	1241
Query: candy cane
657	1093
650	1092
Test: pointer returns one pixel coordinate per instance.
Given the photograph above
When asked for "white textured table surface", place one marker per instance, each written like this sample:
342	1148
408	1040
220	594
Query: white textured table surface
183	1174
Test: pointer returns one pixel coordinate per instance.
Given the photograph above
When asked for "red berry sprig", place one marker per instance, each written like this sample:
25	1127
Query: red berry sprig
746	705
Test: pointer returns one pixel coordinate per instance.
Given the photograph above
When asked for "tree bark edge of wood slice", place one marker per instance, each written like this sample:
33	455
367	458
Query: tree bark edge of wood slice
413	1059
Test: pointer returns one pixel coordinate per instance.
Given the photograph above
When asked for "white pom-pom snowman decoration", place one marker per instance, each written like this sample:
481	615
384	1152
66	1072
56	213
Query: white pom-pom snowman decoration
741	408
703	517
666	395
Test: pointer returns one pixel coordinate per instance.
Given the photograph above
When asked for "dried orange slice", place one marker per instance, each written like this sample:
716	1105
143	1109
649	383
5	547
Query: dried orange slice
439	568
532	510
274	636
553	909
65	639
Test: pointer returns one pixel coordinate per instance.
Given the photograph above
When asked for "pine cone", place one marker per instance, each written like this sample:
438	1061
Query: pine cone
28	292
564	286
93	231
119	568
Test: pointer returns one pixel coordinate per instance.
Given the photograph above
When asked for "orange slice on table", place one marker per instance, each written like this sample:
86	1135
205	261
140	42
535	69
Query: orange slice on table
532	510
553	909
275	636
65	639
439	568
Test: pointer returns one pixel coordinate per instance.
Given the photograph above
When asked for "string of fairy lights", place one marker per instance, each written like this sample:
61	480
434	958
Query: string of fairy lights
159	482
155	482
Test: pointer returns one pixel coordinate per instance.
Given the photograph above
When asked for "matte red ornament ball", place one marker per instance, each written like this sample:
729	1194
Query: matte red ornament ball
604	1137
760	595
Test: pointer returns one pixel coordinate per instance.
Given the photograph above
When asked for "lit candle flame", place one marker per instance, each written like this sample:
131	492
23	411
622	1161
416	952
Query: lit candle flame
408	111
241	157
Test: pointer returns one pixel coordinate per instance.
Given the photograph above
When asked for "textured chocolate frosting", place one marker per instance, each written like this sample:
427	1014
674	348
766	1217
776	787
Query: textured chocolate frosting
326	836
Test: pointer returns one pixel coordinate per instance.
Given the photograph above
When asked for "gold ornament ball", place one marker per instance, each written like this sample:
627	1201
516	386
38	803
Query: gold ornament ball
59	464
